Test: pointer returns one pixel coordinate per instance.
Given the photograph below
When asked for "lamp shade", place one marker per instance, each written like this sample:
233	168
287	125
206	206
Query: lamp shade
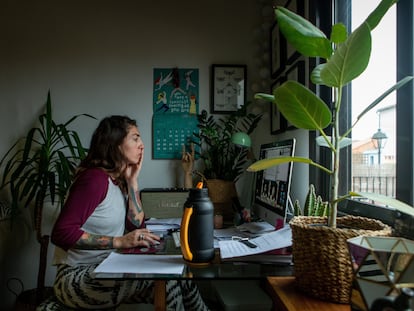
241	139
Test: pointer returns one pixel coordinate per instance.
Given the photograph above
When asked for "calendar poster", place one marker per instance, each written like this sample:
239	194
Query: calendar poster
170	132
175	109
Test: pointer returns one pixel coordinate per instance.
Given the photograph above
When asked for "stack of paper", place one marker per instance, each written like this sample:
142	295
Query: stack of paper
270	247
141	264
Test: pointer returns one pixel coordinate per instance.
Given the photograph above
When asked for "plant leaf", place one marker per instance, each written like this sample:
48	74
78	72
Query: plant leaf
316	74
267	163
375	17
306	38
391	202
338	34
344	142
350	59
264	96
301	107
385	94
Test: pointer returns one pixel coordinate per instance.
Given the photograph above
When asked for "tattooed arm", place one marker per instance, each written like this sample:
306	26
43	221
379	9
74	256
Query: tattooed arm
138	237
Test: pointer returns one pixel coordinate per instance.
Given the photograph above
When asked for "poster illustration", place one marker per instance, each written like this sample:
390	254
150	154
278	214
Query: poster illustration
175	109
175	90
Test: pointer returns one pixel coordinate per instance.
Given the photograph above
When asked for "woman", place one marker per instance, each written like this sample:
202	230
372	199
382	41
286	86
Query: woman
101	214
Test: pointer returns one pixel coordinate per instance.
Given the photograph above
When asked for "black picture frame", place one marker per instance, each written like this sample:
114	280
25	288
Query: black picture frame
277	51
296	73
277	121
298	7
228	88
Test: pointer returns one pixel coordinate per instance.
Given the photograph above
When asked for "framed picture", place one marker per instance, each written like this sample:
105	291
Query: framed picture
296	73
298	7
228	88
277	51
277	122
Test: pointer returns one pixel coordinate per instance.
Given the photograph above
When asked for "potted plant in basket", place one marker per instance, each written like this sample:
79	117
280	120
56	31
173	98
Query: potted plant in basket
346	56
223	145
38	168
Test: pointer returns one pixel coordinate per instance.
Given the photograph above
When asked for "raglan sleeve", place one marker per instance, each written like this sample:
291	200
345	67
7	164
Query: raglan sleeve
86	193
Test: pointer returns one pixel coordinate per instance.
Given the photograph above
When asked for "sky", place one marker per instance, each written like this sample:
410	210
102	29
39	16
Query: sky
381	71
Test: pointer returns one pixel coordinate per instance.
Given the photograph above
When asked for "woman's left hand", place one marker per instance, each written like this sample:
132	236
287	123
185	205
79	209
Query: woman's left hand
133	169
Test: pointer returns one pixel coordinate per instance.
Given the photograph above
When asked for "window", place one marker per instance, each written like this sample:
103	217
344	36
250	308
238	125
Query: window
375	135
402	185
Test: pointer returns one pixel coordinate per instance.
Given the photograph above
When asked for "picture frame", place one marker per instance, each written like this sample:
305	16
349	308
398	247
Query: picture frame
277	121
298	7
296	73
277	51
228	88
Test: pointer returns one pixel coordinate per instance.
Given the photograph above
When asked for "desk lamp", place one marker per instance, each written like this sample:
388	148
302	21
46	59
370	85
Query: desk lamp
241	139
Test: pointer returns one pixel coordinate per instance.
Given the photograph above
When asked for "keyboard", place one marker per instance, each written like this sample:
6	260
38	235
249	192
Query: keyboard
176	237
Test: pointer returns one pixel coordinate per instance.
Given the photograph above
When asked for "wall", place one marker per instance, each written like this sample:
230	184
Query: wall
97	57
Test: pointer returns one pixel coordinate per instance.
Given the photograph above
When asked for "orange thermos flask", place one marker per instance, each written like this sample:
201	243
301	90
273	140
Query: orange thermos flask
197	227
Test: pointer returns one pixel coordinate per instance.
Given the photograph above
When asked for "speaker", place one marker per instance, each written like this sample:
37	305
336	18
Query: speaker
163	202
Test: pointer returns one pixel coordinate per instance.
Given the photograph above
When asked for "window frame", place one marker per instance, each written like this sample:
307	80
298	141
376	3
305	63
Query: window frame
321	14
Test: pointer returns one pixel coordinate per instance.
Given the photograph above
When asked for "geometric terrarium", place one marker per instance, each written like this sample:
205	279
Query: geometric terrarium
383	270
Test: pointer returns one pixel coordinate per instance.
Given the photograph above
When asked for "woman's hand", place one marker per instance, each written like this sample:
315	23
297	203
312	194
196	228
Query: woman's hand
138	237
132	171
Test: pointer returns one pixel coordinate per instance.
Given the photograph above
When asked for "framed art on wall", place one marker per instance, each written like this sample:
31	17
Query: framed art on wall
228	88
277	51
277	121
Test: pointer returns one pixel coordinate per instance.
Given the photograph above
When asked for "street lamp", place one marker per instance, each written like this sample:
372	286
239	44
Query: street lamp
378	140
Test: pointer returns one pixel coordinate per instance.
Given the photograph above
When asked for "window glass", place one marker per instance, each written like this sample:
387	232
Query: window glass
374	137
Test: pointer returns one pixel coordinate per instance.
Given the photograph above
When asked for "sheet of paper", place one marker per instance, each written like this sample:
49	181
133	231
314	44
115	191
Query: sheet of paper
151	264
266	242
256	227
163	224
164	221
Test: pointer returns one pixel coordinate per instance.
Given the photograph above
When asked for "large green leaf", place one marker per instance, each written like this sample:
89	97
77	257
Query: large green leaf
301	107
267	163
375	17
390	202
349	60
306	38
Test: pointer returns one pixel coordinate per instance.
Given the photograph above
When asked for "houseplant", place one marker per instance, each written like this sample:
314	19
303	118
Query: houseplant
38	168
346	56
224	159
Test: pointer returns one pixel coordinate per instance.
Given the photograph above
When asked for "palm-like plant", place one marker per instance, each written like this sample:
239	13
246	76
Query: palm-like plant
223	159
347	56
39	167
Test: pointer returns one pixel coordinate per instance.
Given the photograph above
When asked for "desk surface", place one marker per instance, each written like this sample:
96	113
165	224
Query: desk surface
214	270
287	298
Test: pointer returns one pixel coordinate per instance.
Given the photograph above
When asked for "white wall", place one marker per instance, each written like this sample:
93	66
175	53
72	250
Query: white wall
97	57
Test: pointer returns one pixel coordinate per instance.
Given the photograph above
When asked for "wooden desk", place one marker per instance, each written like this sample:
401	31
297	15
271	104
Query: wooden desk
287	298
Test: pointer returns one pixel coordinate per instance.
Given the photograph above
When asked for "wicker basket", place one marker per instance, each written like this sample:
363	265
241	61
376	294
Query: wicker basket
322	264
222	193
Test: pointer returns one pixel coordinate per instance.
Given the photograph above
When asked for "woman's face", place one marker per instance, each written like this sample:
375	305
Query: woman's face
132	147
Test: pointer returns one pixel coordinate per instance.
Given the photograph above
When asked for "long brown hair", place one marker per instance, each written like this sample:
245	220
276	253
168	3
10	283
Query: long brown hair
104	151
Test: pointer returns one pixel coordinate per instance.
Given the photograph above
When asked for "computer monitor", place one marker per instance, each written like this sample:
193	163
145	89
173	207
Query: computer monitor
272	187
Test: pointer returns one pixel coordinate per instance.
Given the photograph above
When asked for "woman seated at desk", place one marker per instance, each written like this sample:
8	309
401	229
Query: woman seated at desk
103	213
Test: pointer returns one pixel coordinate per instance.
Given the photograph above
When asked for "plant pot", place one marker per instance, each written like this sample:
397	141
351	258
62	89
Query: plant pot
222	193
322	264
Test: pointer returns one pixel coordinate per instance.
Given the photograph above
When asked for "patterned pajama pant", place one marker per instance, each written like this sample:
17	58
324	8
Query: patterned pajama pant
75	288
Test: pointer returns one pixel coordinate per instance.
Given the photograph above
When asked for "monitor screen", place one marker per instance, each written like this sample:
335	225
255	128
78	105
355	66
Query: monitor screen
273	184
